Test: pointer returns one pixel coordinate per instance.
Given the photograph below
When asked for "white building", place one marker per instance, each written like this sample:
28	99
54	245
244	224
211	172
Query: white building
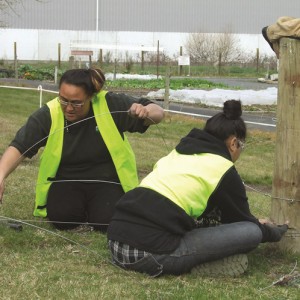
39	27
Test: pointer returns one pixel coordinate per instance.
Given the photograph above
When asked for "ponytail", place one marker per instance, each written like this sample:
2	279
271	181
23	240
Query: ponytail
98	79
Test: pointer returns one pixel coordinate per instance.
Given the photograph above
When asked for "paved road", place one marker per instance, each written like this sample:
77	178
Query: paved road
262	121
255	120
242	83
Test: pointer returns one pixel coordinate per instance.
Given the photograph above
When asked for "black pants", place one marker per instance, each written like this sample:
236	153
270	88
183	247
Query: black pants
82	202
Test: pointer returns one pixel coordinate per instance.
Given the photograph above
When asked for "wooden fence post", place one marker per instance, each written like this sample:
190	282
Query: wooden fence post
167	88
157	60
59	55
180	67
286	180
100	59
257	59
219	63
16	61
142	59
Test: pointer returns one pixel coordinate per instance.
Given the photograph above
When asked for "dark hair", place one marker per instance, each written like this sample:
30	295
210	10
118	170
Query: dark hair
228	122
90	80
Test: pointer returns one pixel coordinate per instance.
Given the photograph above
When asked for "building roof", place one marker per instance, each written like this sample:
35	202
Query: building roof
215	16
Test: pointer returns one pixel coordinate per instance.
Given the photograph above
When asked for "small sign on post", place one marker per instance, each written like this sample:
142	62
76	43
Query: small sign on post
83	53
184	60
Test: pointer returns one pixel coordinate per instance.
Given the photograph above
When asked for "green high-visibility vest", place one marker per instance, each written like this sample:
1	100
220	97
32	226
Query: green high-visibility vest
187	180
119	149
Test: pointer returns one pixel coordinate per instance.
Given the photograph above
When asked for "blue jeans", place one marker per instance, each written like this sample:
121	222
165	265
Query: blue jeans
199	246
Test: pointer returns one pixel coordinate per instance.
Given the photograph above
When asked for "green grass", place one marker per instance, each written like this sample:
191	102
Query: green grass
39	264
175	84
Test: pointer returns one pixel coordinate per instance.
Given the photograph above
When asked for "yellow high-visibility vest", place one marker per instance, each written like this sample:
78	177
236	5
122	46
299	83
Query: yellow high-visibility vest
187	180
119	149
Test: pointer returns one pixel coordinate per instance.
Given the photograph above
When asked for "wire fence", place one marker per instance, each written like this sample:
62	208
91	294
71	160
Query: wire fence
41	90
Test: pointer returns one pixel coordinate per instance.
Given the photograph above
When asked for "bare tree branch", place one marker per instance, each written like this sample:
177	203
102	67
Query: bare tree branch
9	4
207	48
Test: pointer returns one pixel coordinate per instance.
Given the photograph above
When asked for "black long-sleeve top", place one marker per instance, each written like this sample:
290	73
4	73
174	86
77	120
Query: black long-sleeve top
85	155
146	220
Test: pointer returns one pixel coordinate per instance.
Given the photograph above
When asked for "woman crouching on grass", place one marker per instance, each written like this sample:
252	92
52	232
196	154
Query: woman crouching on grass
87	162
164	226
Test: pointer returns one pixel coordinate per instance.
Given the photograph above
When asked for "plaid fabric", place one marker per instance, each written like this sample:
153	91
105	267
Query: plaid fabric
211	219
124	253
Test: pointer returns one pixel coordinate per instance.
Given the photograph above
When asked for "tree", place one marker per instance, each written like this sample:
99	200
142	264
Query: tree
8	5
208	48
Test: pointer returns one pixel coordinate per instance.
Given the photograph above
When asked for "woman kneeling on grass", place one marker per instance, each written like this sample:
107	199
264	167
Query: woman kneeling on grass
164	226
87	162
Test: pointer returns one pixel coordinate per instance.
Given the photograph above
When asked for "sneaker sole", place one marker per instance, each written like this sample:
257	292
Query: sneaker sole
234	265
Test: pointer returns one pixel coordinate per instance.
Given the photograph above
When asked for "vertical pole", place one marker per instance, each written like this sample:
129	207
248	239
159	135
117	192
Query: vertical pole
15	61
55	74
100	60
157	60
257	59
59	55
285	204
219	63
40	88
180	67
115	69
142	59
268	70
167	88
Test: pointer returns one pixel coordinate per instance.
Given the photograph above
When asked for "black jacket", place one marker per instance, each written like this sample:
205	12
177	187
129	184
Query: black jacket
149	221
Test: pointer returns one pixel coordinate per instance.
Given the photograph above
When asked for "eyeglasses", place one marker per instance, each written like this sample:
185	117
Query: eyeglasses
73	103
241	144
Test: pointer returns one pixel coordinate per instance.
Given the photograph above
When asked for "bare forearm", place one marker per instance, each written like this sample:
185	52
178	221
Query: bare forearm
151	113
155	114
9	161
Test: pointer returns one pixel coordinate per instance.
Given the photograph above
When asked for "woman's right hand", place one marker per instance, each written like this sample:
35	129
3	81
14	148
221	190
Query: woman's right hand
10	159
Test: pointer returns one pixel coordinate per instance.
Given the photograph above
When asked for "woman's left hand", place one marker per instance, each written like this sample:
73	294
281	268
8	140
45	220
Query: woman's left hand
138	111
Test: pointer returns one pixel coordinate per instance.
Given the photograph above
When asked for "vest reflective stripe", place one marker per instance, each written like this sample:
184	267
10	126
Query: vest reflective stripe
187	180
120	150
